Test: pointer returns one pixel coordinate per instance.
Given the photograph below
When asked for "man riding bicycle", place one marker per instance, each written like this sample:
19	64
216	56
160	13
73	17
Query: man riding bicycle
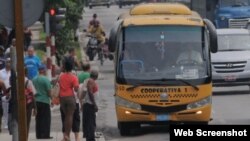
96	30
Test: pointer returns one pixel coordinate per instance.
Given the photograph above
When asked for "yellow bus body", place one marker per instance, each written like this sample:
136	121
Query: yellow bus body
153	98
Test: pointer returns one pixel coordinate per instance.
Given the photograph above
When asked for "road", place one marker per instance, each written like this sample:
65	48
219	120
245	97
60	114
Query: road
105	15
230	105
107	116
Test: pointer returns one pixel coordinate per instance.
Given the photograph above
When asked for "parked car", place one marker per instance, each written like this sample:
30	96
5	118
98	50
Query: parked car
231	64
122	3
93	3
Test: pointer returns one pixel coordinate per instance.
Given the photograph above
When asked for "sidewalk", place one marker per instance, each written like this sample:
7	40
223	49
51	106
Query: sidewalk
57	136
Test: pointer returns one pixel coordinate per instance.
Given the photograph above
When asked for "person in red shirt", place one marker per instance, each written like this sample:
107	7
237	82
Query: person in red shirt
68	83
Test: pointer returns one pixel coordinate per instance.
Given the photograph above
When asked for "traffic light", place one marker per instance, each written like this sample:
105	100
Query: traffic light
56	16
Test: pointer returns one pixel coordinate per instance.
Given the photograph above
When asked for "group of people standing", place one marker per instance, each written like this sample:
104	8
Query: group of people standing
78	92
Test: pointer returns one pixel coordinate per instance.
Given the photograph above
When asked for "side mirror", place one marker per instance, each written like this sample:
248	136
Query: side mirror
213	43
113	36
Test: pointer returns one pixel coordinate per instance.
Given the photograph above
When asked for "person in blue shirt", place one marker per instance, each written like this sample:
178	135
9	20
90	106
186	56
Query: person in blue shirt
32	63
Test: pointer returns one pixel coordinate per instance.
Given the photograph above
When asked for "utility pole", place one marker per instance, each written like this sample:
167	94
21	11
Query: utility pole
22	123
53	54
48	44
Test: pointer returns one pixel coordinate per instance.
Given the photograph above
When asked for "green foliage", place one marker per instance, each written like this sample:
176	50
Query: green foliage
41	55
42	36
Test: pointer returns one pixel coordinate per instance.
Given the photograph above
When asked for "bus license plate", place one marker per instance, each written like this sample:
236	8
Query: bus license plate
162	117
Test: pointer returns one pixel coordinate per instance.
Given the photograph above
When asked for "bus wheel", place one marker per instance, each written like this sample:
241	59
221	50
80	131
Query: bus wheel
126	127
198	123
201	123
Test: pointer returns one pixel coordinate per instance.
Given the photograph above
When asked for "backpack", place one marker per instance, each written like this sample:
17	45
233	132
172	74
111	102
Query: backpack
28	93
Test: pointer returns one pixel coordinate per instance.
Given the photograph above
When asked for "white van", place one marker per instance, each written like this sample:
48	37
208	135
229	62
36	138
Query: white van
231	64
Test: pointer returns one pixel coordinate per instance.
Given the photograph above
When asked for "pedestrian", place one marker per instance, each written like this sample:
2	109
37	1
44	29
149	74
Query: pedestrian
30	92
2	57
42	97
76	119
11	36
68	83
3	36
71	54
90	106
81	78
12	45
2	92
85	74
76	116
5	77
32	63
27	38
13	105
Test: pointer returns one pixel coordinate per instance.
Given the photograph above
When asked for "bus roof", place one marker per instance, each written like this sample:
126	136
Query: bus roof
160	8
162	14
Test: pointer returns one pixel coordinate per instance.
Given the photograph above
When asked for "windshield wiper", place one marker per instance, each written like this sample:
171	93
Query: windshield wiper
132	87
161	80
188	83
232	50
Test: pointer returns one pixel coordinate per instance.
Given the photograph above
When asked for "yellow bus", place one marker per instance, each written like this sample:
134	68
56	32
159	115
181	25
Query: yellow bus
162	65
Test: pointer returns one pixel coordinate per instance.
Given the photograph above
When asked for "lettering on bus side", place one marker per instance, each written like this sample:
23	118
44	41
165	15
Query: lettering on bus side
161	90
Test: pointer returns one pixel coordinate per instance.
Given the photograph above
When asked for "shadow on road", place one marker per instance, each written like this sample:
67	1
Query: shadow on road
113	133
108	71
234	92
150	130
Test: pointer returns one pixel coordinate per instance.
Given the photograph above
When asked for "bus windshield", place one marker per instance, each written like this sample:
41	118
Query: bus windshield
163	52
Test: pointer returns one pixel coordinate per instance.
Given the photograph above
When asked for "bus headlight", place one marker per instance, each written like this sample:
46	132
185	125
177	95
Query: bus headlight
128	104
197	104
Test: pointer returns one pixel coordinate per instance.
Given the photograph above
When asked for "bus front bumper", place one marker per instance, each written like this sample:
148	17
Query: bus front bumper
201	114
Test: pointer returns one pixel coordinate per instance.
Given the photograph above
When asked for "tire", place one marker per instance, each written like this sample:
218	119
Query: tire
197	123
101	57
90	7
111	57
125	127
202	123
108	6
90	53
120	5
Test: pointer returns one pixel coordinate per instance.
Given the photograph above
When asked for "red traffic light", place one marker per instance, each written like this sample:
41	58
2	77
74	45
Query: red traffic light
52	12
